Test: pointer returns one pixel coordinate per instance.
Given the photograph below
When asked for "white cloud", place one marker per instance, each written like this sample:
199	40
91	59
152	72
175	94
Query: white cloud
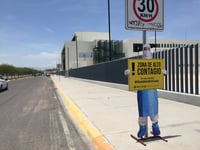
49	30
41	60
18	49
43	55
48	55
3	58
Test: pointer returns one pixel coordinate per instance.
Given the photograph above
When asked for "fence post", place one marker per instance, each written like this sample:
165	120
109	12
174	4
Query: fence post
169	68
181	66
166	77
196	69
177	70
173	70
191	69
186	69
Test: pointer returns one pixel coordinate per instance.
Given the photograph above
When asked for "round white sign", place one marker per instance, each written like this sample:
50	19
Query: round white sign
146	10
145	14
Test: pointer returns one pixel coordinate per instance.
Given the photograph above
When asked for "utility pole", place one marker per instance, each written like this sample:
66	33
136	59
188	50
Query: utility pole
76	51
110	51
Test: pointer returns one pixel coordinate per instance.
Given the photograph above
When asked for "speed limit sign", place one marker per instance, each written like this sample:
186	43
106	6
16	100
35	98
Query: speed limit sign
145	14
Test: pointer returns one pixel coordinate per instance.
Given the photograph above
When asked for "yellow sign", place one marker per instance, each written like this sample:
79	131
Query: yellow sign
145	74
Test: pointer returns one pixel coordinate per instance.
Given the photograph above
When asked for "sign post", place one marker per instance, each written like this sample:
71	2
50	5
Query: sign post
144	15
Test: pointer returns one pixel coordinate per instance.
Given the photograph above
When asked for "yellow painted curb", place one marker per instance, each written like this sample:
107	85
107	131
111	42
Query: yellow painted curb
93	135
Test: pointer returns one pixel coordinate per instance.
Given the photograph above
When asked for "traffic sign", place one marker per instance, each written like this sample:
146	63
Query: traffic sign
145	15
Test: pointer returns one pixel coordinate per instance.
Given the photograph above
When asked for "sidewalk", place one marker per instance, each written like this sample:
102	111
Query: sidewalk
108	116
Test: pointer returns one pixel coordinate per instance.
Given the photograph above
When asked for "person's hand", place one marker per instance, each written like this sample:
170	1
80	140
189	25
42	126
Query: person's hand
126	72
164	72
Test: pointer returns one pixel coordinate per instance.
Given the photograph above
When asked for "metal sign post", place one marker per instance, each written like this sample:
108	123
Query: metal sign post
145	15
144	42
144	37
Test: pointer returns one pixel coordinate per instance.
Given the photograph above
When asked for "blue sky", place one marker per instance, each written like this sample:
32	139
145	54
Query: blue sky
33	32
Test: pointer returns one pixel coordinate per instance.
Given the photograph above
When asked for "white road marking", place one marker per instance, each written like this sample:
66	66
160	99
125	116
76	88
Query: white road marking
66	132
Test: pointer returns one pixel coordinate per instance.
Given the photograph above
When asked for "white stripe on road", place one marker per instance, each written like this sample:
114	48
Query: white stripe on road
70	142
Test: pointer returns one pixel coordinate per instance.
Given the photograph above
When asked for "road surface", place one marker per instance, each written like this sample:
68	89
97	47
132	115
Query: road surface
31	118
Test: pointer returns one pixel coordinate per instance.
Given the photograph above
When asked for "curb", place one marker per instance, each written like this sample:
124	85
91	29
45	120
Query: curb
93	135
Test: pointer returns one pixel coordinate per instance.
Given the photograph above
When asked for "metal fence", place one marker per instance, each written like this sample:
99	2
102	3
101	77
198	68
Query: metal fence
182	65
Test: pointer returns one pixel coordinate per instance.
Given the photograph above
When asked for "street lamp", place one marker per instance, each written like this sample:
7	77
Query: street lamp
76	51
110	57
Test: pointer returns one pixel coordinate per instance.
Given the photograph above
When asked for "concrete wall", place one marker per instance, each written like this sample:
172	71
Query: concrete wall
85	55
70	54
109	72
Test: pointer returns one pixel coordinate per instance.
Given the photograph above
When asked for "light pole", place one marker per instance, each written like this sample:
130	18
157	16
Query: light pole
67	61
110	57
76	51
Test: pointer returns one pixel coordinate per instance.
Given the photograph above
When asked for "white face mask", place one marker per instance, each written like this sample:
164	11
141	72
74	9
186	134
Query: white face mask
147	54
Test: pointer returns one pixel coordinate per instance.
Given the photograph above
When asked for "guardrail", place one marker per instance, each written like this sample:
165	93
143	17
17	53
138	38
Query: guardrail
14	77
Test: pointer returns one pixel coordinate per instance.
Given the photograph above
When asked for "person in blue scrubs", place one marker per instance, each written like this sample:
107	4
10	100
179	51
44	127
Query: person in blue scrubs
147	103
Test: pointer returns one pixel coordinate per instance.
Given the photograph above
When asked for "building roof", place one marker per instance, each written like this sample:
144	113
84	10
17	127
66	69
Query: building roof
90	36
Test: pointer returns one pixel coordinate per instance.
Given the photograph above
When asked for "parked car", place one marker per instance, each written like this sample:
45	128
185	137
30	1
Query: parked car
3	77
3	85
48	75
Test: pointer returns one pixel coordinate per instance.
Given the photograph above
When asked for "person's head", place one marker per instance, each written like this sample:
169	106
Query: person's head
147	51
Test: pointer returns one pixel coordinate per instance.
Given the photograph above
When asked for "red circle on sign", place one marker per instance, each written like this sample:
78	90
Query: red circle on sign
142	19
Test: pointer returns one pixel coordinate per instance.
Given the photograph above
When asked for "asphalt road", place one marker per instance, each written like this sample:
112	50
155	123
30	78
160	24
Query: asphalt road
31	118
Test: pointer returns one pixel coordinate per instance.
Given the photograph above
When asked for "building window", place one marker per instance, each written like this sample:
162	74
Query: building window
102	53
85	54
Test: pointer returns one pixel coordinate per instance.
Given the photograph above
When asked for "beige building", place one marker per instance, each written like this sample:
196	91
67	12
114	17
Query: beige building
80	50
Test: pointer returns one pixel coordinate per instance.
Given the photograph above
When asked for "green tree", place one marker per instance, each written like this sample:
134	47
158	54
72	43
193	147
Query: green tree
6	69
